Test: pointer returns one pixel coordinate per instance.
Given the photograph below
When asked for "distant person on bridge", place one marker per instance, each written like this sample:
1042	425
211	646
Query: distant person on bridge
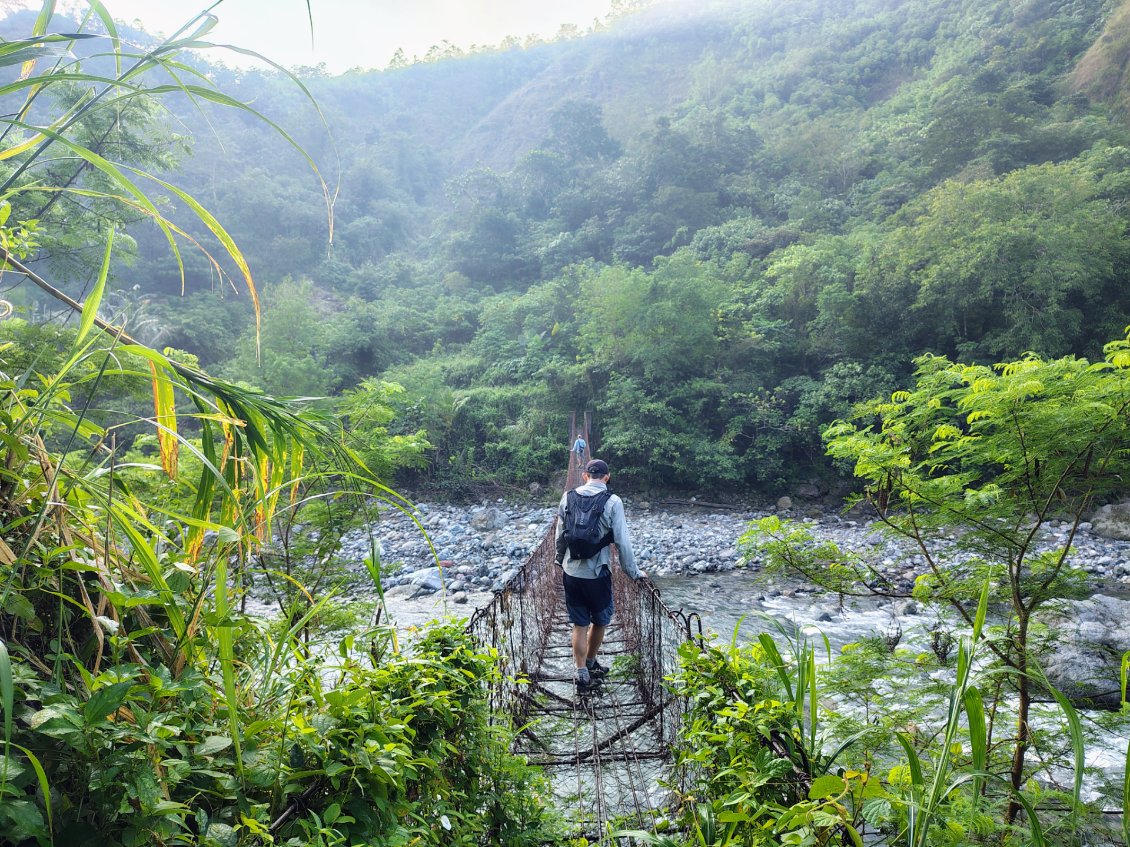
588	581
579	447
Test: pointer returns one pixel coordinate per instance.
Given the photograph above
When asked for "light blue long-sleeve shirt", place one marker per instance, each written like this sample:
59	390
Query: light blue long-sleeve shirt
612	519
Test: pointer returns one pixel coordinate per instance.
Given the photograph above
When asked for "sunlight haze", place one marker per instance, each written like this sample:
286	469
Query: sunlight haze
359	33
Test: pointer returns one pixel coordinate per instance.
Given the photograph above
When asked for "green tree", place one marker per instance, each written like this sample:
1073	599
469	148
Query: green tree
295	357
1024	262
577	131
368	410
969	465
662	325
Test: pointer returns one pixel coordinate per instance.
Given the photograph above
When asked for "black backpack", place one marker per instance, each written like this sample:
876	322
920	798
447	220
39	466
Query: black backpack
582	524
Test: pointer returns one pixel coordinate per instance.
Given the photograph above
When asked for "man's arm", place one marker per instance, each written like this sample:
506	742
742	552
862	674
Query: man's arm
559	538
623	539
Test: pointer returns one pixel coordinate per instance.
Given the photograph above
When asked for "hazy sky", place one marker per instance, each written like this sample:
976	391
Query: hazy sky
365	33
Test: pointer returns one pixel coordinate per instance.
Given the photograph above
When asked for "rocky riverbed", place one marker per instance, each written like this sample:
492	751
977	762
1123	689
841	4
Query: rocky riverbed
692	553
480	546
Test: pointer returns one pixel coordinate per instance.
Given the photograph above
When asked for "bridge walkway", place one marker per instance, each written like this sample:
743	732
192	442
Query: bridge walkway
608	755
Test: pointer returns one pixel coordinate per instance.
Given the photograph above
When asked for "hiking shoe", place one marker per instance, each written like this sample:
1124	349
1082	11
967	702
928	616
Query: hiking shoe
597	670
585	686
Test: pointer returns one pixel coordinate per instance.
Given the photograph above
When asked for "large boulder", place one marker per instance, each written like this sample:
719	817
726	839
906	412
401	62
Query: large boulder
426	581
1112	521
1088	640
490	518
808	491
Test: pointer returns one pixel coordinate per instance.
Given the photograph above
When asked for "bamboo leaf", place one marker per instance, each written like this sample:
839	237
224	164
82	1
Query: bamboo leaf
165	411
913	762
774	655
94	300
914	831
812	702
982	609
7	691
20	148
117	178
225	641
44	785
1033	820
221	234
30	54
46	12
1126	798
978	735
56	77
296	628
148	559
1075	732
112	30
329	200
209	473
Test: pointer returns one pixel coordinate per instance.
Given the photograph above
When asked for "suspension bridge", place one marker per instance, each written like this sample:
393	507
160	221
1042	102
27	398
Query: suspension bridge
608	755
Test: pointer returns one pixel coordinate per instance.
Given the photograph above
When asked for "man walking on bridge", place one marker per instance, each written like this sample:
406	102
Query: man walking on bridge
588	574
579	448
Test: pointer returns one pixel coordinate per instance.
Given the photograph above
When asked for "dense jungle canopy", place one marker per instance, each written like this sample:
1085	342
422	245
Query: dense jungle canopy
718	225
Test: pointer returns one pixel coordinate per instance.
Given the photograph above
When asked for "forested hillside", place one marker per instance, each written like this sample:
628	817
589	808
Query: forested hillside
718	226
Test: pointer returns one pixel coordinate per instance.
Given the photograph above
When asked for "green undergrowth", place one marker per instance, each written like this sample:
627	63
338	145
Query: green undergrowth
766	758
367	748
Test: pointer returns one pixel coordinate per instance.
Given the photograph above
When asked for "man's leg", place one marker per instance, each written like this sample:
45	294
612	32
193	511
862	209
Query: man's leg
596	638
581	645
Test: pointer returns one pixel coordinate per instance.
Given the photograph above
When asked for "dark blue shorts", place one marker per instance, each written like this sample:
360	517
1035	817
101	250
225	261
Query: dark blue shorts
589	601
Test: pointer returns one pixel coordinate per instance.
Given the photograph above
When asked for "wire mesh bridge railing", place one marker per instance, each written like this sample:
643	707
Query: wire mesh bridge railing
608	755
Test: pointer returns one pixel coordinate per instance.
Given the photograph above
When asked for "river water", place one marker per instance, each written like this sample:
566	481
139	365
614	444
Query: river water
740	602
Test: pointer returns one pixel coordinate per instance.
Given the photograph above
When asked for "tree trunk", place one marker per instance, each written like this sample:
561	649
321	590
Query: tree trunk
1023	706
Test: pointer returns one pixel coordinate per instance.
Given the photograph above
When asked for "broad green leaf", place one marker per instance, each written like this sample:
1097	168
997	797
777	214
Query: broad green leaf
105	701
212	744
25	817
826	786
730	816
20	606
